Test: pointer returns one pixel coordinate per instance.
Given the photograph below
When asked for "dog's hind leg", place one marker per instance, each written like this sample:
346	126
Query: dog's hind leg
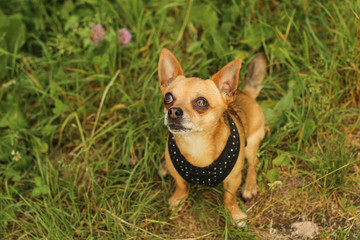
253	143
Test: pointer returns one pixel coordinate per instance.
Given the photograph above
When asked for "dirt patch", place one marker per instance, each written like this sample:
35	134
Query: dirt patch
305	229
290	212
286	212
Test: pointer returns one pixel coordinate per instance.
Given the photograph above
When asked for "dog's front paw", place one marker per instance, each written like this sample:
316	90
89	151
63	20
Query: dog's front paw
249	192
177	203
238	219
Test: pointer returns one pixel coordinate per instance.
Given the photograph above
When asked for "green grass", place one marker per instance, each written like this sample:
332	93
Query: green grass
81	129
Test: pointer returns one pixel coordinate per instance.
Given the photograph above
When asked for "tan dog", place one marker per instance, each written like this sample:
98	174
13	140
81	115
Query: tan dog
205	146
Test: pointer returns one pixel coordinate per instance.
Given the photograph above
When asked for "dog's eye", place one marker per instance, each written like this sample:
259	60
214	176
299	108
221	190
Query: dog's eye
201	103
168	98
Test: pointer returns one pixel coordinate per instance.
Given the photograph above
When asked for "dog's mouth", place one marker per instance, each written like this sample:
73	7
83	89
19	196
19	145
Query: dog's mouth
179	125
177	128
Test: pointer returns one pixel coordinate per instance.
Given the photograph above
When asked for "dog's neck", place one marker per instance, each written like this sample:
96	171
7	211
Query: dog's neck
204	147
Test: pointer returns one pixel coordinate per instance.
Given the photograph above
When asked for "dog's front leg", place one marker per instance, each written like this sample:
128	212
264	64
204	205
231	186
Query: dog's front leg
177	200
231	185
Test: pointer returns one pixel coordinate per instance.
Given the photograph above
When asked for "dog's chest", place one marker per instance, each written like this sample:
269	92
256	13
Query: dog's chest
200	152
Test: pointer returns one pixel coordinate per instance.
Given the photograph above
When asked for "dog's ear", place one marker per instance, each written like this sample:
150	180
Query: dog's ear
227	80
168	68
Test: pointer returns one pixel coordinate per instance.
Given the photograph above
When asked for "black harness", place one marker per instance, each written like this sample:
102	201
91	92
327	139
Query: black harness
216	172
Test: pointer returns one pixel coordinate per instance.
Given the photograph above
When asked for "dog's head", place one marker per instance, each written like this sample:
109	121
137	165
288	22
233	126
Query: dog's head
193	104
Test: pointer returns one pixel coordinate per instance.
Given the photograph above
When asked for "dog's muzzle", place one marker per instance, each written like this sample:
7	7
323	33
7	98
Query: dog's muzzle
176	121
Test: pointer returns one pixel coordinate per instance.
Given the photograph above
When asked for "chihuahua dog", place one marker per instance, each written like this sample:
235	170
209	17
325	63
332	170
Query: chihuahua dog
213	128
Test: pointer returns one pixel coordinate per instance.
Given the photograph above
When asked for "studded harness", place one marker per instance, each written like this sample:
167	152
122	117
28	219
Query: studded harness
216	172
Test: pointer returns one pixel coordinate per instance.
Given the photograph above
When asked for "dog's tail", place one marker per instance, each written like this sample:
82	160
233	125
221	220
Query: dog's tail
256	72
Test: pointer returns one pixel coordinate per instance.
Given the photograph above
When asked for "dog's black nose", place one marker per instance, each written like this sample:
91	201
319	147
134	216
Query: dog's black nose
175	113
